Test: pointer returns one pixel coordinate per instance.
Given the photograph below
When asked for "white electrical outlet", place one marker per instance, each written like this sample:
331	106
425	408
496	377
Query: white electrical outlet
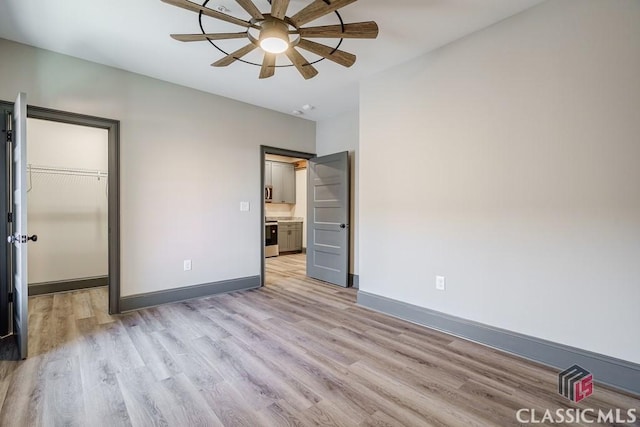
187	264
440	283
245	207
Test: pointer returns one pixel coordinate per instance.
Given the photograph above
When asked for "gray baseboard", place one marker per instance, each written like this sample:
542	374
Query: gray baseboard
67	285
607	370
354	281
135	302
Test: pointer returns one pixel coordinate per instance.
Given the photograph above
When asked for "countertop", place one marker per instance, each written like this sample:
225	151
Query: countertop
284	219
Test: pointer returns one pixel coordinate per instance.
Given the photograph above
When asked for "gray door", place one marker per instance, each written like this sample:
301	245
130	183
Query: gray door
19	237
328	218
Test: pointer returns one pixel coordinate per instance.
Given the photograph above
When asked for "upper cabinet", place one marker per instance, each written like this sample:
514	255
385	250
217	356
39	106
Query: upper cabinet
282	177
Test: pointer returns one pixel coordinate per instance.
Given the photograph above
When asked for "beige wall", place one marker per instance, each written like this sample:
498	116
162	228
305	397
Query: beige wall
186	160
508	163
68	213
334	135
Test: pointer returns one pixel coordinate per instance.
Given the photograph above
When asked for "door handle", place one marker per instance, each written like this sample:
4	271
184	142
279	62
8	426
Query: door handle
343	225
21	238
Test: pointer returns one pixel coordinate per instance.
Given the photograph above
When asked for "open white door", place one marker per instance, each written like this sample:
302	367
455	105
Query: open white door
328	218
19	237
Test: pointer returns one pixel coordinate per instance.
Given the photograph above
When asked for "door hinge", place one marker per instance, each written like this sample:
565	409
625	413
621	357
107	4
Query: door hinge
9	125
10	296
10	217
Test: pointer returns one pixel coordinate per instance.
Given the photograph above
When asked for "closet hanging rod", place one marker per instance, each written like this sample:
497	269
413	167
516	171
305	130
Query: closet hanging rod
67	171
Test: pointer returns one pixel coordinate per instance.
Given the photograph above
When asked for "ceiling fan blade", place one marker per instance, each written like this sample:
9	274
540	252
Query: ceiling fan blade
279	8
358	30
250	8
307	70
232	57
204	37
268	66
341	57
194	7
318	9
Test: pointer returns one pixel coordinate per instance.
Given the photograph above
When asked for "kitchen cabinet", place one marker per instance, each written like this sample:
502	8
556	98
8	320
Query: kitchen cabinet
289	236
283	181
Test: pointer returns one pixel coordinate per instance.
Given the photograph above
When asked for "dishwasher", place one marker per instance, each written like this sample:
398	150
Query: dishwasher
271	239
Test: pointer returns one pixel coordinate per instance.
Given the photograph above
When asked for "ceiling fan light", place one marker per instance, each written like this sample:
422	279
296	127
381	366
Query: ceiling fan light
274	45
274	37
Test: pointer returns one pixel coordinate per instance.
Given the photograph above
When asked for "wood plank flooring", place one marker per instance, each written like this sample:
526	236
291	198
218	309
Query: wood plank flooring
295	353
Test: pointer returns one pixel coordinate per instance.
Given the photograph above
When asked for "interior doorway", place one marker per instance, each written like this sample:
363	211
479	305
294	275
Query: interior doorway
113	185
67	195
109	183
285	208
284	218
306	214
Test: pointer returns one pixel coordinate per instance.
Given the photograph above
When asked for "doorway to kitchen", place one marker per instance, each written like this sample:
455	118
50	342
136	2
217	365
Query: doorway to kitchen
326	218
284	212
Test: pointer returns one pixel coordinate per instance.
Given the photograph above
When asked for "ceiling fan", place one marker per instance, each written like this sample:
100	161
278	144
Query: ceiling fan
276	33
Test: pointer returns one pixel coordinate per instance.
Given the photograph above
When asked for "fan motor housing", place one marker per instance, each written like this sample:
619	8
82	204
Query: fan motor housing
274	32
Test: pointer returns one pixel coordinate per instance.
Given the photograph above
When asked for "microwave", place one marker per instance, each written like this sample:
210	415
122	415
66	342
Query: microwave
268	193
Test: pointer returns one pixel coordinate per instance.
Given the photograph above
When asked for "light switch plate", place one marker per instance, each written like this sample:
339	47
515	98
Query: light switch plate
440	283
245	206
187	265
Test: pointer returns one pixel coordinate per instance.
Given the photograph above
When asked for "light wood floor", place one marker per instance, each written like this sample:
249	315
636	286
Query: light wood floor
297	352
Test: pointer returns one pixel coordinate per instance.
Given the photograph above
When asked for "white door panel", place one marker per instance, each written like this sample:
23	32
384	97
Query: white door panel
19	238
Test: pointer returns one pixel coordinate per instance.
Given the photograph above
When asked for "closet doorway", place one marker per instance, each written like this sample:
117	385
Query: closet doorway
109	184
67	195
112	127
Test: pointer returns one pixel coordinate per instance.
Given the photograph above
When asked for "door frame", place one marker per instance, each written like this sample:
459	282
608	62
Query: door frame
264	150
6	319
113	215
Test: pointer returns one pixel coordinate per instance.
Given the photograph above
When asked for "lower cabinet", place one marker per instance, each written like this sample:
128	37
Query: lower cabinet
290	236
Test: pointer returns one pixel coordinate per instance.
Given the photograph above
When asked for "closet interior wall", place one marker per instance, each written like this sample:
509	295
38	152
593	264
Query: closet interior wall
67	203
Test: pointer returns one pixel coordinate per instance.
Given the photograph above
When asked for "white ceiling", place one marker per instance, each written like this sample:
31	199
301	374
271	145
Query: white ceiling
134	35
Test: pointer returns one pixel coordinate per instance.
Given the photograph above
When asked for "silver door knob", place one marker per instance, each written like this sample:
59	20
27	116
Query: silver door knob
18	238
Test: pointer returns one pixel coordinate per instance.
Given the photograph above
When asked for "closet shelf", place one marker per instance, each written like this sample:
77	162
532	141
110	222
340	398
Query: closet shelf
67	171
